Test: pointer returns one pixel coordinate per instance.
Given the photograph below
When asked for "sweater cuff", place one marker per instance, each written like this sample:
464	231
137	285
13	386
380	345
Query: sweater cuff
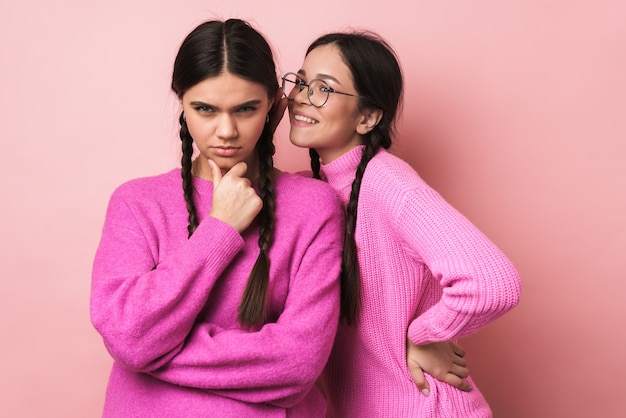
214	237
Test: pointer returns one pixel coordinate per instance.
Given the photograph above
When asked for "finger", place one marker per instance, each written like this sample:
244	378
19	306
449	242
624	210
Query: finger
277	112
459	361
278	95
216	173
238	170
459	371
457	382
420	380
458	350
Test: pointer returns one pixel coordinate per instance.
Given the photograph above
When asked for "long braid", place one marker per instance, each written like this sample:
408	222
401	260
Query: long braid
185	172
350	273
252	310
315	163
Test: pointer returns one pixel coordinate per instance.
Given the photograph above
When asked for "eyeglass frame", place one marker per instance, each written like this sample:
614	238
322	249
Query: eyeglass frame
310	90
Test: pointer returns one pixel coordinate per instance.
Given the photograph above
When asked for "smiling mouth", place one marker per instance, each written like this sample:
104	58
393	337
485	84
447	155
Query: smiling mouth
304	119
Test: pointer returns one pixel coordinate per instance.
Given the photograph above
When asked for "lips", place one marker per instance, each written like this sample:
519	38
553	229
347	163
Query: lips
225	151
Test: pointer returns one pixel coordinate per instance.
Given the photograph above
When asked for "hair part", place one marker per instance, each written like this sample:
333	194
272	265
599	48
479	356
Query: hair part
232	46
370	59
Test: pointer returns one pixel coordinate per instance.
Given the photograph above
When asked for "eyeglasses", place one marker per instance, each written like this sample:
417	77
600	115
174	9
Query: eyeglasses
317	93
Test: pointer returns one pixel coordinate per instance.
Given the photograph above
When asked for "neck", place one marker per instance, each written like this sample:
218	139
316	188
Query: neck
329	155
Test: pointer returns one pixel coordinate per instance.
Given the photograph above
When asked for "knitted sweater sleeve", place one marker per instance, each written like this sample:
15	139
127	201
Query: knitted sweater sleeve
279	363
145	313
479	282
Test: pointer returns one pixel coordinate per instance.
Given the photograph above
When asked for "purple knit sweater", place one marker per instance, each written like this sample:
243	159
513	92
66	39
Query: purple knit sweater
172	329
425	269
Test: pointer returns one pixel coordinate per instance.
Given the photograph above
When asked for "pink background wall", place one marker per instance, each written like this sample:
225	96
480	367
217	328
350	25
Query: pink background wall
515	111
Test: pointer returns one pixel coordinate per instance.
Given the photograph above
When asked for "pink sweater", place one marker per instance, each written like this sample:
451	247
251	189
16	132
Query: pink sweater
425	269
172	330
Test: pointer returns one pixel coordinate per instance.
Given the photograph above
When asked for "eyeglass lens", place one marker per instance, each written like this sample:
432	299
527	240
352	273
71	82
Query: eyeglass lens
317	93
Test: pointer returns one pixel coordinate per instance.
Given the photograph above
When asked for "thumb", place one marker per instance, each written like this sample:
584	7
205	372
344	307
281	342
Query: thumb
418	377
216	173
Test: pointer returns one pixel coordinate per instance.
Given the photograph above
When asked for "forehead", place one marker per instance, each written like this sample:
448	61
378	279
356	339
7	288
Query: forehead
225	90
326	59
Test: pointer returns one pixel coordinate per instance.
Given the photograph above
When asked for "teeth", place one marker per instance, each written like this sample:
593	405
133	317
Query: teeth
304	119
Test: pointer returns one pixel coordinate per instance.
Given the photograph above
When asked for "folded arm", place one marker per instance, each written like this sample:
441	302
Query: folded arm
280	362
143	311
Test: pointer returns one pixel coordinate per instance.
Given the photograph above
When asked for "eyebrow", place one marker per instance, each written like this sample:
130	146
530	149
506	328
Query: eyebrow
322	76
254	102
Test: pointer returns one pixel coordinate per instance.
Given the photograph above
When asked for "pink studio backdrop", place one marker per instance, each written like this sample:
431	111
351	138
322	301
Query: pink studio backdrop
515	111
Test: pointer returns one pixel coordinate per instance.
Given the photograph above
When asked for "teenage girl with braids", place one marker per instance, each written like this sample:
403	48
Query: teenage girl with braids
216	286
419	272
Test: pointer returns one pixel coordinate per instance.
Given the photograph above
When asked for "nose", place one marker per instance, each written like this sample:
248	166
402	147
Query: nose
302	95
226	127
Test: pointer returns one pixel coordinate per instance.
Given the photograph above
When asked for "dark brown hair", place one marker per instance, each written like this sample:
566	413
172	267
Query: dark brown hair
378	81
235	47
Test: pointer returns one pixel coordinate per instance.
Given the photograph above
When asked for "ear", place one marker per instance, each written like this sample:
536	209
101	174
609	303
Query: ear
369	119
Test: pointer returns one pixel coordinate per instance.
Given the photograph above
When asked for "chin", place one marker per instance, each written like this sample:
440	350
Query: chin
299	141
224	164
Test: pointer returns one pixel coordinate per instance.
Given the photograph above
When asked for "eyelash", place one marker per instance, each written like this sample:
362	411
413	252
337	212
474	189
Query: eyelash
208	109
247	109
203	109
302	84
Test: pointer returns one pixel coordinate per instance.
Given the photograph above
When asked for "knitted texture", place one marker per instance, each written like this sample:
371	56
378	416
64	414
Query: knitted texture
425	270
166	306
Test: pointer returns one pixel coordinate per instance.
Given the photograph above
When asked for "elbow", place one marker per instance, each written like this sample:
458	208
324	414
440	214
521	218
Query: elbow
304	372
134	351
137	359
300	388
512	290
505	295
307	376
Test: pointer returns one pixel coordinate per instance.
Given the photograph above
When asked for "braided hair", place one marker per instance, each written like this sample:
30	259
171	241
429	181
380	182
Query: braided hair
235	47
377	78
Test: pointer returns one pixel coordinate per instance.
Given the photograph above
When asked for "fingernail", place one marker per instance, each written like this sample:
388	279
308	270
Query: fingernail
470	388
426	392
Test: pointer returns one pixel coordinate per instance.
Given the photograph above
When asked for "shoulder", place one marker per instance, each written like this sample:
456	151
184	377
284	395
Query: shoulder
295	190
149	182
146	191
304	173
387	173
307	211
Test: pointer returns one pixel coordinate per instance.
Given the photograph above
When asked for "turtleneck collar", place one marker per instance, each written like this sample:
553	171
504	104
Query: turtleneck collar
340	173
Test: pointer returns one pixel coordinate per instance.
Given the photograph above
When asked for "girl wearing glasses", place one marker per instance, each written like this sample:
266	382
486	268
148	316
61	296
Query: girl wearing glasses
416	271
215	286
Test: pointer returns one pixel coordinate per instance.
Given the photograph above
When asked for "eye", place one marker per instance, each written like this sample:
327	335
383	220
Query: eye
247	108
321	87
203	109
300	83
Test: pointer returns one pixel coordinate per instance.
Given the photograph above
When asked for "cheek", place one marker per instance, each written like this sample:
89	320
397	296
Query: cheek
196	126
251	130
346	119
